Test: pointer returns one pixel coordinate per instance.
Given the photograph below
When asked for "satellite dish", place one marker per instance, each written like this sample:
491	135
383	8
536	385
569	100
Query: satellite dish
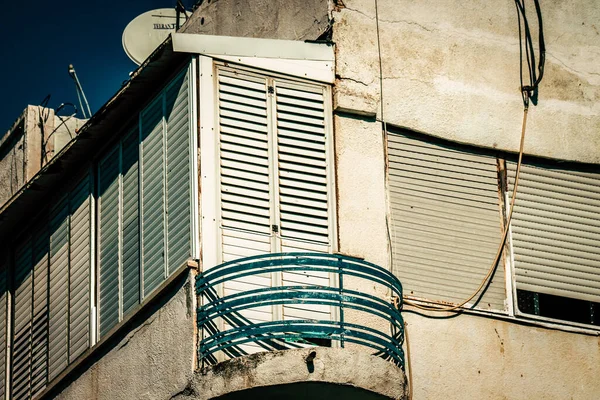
147	31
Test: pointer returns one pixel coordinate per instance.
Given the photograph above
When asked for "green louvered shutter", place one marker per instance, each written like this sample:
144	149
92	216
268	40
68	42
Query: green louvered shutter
4	265
39	351
58	346
130	228
446	220
153	195
138	239
108	257
30	337
22	306
179	169
79	268
555	230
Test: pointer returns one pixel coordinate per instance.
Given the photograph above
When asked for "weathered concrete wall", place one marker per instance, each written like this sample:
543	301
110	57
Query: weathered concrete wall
451	69
466	357
36	136
339	368
66	129
470	357
12	161
153	361
272	19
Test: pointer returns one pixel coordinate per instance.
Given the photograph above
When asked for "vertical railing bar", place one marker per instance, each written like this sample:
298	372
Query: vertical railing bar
341	290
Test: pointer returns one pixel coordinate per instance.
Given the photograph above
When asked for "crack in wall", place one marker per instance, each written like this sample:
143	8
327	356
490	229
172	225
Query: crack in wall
134	333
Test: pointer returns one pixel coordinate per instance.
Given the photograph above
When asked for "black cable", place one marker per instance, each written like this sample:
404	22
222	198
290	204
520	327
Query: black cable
536	73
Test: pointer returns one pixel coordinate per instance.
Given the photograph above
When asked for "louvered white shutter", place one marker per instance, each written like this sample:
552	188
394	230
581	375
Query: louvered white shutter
245	207
446	221
556	231
304	185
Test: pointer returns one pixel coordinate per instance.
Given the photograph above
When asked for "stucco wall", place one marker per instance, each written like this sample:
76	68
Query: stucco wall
467	356
272	19
470	357
451	69
155	360
12	163
22	152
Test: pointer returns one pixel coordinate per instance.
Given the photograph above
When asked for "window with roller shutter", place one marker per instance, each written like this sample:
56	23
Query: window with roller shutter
446	228
275	186
446	219
555	236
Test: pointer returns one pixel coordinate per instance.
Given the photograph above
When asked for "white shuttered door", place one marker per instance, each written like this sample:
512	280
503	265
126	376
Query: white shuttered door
275	194
303	184
556	231
244	181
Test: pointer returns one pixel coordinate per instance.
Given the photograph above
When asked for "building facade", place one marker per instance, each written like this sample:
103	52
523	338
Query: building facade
379	142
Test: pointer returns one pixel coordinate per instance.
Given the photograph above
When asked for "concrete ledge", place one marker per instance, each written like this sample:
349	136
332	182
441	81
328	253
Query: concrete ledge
344	369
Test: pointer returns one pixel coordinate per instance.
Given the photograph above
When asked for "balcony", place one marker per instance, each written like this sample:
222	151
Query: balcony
355	320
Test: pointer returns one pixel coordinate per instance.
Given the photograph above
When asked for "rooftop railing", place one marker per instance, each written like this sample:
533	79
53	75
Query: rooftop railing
226	327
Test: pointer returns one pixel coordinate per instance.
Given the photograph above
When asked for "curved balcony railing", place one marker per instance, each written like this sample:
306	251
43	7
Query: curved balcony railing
226	328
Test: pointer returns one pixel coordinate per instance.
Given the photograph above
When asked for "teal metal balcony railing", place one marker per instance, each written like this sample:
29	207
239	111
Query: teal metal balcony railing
216	311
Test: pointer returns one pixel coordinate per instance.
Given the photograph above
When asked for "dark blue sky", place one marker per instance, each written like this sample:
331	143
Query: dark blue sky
41	38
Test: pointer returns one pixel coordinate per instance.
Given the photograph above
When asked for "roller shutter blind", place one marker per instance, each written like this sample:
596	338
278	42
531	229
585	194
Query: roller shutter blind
274	189
145	204
556	231
446	220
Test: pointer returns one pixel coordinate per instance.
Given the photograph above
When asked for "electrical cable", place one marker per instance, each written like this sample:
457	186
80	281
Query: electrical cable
63	122
528	92
408	364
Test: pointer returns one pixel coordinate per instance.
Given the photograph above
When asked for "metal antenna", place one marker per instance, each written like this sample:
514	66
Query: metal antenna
80	93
